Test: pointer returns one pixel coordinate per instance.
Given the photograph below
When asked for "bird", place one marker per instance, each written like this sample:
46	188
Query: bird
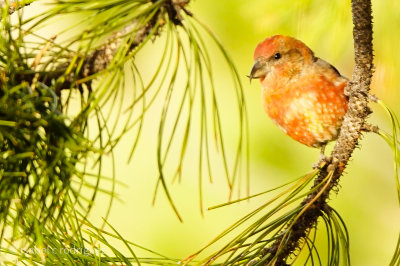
303	94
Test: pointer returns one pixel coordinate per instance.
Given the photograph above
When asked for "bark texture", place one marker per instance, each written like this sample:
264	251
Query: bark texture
353	125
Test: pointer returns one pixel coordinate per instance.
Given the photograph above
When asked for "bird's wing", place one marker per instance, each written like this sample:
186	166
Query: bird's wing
322	64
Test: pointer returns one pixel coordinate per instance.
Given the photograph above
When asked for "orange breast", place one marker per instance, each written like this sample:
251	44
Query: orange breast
310	109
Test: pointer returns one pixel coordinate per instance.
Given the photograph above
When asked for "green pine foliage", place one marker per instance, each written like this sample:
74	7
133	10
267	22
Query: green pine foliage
63	111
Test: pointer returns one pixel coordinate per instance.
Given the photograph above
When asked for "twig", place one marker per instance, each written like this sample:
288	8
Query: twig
351	130
99	59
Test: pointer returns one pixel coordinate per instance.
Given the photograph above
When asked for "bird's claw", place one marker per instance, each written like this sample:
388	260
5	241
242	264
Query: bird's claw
322	162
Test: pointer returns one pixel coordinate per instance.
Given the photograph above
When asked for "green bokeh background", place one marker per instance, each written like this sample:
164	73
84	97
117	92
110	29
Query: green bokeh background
367	197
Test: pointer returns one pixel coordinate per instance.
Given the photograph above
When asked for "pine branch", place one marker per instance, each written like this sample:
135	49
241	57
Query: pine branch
37	140
99	59
315	204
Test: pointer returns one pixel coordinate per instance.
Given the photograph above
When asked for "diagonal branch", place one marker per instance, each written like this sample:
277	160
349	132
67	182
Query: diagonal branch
315	204
100	59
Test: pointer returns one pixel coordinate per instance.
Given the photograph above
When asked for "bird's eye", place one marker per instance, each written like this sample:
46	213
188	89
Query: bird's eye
277	55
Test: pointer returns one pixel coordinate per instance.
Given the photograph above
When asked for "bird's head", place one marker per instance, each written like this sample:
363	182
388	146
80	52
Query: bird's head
280	52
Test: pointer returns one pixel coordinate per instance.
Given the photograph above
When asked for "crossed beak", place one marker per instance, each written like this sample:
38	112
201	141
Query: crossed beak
258	71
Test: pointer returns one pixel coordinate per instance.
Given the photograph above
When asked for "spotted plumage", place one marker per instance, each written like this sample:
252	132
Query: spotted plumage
303	94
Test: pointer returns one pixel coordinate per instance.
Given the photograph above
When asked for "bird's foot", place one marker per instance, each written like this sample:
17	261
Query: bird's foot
322	162
323	159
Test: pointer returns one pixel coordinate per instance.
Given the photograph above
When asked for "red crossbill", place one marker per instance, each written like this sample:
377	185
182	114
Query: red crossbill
302	94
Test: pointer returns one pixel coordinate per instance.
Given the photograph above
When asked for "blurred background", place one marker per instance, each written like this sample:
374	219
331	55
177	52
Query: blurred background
367	195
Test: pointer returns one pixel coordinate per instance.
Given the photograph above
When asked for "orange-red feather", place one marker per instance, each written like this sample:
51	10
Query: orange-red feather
303	94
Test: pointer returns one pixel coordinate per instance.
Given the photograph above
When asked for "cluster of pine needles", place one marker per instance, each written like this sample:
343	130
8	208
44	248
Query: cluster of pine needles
52	156
64	108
